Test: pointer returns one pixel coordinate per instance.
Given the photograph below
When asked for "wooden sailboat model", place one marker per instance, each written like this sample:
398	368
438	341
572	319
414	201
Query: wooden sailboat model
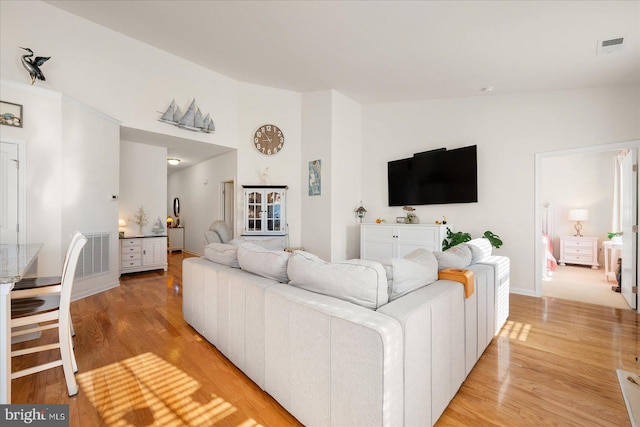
191	120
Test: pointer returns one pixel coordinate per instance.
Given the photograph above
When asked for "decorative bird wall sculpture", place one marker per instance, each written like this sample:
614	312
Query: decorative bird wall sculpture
32	65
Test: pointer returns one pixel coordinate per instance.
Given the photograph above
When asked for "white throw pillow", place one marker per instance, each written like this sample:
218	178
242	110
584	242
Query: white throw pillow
263	262
417	269
361	282
458	256
222	253
480	249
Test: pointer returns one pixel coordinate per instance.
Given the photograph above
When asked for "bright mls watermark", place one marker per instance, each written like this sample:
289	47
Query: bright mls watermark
34	415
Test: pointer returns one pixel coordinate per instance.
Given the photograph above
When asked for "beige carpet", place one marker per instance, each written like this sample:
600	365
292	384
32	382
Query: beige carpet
583	284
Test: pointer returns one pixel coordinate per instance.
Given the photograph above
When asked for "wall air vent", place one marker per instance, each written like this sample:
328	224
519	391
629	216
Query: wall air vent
610	45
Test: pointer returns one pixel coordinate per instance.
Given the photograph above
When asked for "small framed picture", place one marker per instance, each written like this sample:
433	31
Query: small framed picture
10	114
400	220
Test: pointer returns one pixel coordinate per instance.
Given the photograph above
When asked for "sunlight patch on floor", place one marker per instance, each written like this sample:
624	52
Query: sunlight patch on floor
516	330
147	390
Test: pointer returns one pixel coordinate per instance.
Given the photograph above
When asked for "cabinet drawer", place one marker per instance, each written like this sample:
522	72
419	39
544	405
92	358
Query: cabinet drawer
131	263
574	244
131	250
127	243
130	257
578	258
578	251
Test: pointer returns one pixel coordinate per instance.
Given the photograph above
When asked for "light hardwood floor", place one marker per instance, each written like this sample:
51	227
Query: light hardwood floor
140	364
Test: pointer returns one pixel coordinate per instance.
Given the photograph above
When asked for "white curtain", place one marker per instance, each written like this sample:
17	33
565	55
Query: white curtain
616	221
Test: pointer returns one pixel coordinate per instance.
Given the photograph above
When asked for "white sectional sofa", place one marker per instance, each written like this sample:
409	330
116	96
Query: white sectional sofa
345	360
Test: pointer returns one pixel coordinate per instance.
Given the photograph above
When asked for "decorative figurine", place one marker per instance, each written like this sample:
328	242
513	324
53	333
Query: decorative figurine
32	65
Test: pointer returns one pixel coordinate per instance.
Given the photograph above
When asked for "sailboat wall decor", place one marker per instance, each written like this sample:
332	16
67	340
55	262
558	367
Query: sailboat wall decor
191	120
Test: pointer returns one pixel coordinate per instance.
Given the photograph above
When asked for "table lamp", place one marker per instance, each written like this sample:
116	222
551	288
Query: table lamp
578	215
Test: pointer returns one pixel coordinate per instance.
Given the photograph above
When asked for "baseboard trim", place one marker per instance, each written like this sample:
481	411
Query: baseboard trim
95	291
519	291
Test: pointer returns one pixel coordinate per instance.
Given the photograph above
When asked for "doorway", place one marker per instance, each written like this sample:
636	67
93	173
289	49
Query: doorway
12	193
581	179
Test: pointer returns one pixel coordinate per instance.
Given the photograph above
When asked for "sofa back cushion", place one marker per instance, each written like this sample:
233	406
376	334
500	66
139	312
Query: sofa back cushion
361	282
480	249
415	270
458	256
263	262
222	253
222	229
211	237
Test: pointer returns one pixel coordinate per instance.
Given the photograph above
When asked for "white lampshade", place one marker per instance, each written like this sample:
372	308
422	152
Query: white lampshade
578	215
122	223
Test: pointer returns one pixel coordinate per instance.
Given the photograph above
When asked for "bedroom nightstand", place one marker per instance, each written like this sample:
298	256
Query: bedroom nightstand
579	250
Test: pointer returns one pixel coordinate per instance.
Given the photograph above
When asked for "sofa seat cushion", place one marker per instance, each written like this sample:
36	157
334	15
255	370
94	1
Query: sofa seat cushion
415	270
361	282
263	262
458	256
222	253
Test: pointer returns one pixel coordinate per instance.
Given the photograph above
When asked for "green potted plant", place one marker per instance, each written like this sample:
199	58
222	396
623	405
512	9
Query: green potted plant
615	236
458	237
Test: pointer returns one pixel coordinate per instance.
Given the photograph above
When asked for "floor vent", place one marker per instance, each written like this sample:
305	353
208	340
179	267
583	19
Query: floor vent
94	257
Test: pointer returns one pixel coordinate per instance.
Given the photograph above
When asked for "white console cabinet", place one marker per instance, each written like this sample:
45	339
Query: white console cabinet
143	253
176	239
379	241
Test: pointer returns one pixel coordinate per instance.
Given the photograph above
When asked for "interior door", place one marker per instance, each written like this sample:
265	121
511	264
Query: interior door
629	221
8	193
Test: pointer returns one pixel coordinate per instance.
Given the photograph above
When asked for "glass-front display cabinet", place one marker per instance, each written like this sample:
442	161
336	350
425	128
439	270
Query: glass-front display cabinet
265	210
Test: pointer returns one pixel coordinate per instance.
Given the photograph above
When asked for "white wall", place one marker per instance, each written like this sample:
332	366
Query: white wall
71	173
332	132
509	130
259	105
317	135
115	74
579	181
42	136
346	177
90	159
143	183
199	188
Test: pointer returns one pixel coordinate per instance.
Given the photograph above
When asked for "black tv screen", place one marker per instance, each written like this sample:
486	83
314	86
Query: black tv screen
434	177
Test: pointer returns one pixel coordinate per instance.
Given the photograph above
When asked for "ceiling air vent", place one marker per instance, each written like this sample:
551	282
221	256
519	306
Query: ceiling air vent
610	45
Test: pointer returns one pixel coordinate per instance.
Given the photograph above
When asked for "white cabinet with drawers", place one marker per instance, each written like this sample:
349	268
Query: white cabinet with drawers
579	250
143	253
379	241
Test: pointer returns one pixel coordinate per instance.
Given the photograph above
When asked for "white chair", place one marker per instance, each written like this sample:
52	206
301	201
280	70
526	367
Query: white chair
48	308
49	284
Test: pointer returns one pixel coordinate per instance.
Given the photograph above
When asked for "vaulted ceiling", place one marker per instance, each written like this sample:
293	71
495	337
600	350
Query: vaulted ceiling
383	51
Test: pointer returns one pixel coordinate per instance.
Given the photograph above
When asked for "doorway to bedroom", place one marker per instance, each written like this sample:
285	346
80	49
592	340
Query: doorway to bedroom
582	192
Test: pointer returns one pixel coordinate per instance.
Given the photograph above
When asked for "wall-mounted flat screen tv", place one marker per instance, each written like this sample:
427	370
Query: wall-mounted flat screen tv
434	177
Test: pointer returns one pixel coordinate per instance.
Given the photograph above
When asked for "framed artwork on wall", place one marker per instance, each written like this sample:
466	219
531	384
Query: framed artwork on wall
10	114
315	178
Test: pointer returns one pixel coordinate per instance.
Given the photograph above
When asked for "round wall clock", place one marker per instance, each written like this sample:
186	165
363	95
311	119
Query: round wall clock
268	139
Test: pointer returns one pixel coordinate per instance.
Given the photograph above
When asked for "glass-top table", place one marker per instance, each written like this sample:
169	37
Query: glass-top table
15	261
